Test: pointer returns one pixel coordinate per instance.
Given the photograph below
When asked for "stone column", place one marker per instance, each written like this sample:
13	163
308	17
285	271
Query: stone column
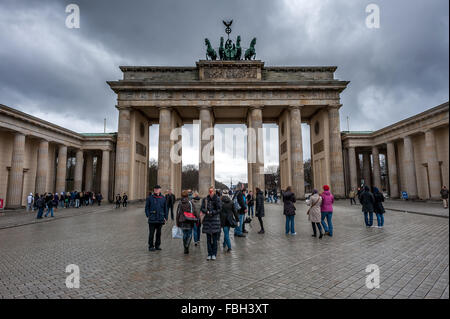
336	162
366	169
78	178
376	167
42	167
164	161
14	197
61	169
410	168
104	189
297	169
434	174
392	170
88	175
258	165
123	146
205	162
352	167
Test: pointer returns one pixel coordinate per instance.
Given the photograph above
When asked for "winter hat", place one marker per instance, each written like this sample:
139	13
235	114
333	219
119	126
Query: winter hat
326	187
315	191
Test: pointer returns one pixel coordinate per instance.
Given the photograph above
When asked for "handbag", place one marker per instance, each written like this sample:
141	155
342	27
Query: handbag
177	232
232	221
190	216
307	213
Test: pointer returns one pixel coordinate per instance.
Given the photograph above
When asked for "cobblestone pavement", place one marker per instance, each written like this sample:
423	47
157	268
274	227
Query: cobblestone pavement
434	208
110	247
22	217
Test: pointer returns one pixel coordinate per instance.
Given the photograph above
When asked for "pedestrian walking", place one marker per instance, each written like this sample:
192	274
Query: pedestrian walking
30	201
367	201
250	204
352	196
186	217
99	199
197	202
211	222
289	210
326	209
118	200
315	212
49	203
125	200
170	200
260	208
40	203
444	196
228	218
378	206
240	202
157	214
35	200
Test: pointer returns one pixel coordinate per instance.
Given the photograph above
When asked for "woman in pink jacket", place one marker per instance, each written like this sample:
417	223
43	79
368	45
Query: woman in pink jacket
327	210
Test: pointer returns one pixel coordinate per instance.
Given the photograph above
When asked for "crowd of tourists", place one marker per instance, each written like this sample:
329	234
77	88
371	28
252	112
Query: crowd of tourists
48	202
221	211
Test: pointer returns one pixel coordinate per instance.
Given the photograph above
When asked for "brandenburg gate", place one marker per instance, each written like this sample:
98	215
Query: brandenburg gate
226	89
217	92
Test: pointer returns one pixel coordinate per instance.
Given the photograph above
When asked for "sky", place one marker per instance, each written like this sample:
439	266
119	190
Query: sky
59	74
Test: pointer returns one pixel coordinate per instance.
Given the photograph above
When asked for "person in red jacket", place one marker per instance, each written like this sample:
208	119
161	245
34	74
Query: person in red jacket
327	210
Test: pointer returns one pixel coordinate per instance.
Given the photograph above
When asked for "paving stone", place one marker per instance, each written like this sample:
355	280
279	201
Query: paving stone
110	247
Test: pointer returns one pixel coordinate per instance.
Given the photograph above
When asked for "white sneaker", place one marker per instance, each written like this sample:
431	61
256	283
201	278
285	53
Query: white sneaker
213	257
209	258
294	234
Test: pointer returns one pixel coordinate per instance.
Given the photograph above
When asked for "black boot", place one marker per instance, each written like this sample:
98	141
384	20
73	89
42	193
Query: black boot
186	250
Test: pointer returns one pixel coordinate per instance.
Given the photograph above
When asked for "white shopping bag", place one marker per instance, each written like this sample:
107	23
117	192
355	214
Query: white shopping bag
177	232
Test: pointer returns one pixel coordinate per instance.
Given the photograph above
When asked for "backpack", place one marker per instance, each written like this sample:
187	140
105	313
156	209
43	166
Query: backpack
237	207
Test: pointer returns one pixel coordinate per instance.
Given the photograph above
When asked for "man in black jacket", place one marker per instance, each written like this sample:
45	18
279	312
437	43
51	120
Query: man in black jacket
240	196
170	201
367	201
156	212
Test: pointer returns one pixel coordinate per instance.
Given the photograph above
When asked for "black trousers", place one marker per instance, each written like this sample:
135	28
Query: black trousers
261	222
171	211
152	229
352	200
314	228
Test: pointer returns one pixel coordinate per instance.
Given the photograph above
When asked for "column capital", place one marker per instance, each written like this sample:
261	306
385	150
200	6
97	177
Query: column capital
256	107
164	107
204	107
295	107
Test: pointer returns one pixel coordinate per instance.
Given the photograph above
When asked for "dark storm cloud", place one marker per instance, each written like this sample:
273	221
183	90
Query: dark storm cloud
395	71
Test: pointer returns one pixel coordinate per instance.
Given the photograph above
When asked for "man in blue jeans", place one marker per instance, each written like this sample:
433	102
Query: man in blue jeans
240	230
367	201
